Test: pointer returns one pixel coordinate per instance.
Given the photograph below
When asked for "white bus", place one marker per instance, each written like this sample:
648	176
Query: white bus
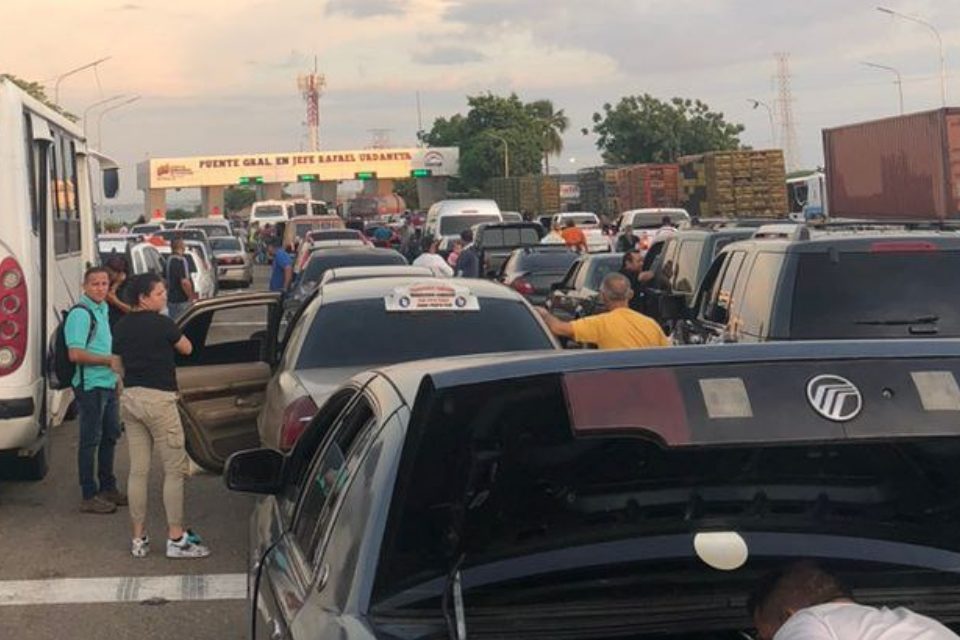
46	241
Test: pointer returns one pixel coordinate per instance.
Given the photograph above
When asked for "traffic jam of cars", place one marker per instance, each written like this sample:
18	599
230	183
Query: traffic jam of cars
434	460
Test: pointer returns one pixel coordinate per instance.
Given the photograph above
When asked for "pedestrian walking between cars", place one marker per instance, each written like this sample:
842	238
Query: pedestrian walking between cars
618	328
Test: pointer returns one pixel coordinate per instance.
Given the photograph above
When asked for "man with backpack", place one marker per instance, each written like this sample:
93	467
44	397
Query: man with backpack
89	347
179	285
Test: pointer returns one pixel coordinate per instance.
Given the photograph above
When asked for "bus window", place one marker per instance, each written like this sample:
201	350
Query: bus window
30	158
63	182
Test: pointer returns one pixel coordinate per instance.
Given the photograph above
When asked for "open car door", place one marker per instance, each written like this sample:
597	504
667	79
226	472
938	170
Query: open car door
222	383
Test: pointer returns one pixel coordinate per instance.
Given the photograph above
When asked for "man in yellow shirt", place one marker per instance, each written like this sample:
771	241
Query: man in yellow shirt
618	328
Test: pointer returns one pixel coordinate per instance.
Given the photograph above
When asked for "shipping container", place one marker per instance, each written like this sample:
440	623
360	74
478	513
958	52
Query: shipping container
734	184
527	194
906	167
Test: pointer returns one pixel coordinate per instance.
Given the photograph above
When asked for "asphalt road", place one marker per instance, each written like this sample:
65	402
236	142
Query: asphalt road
46	543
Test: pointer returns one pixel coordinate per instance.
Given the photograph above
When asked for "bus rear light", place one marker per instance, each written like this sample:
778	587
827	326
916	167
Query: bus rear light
15	318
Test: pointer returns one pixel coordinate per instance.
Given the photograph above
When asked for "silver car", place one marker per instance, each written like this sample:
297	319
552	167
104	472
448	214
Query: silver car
234	265
352	326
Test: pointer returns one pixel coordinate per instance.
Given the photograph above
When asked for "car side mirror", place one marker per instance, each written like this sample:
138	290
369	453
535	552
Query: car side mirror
673	307
255	471
111	182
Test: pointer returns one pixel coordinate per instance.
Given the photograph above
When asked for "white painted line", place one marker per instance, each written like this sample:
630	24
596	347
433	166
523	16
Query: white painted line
222	586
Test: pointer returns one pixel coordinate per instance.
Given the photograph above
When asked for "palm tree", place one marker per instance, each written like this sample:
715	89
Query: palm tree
554	124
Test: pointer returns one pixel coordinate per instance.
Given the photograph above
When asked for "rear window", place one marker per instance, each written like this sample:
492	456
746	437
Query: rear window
225	244
319	264
210	229
580	220
452	225
517	237
876	295
269	211
599	270
341	234
336	339
548	261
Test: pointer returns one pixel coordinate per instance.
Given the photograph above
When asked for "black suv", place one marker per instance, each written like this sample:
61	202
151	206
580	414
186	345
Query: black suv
679	261
791	282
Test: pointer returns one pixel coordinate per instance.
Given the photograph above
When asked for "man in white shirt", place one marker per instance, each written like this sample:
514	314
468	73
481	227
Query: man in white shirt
804	602
432	260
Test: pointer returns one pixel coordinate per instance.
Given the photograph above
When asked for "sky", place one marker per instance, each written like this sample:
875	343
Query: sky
220	77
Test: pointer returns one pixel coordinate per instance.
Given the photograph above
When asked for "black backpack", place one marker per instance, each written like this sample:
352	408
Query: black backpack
60	369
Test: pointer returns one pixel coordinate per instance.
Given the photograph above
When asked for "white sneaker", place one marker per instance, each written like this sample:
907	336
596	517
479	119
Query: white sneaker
140	547
188	546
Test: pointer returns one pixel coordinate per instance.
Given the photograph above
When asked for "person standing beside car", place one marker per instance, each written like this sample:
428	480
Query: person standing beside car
632	269
468	263
432	260
281	275
88	339
145	342
574	237
179	285
617	328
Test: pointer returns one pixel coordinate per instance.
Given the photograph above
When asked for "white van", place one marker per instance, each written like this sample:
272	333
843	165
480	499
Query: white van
447	218
270	212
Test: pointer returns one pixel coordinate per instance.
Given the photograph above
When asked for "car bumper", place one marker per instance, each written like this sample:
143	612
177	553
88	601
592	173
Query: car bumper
235	274
19	423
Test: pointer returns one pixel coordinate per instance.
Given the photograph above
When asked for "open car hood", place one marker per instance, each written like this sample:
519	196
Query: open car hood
542	466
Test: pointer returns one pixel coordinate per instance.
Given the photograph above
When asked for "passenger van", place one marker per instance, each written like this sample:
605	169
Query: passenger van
270	212
46	242
447	218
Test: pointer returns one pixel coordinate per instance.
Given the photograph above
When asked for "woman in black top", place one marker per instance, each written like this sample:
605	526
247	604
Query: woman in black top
146	341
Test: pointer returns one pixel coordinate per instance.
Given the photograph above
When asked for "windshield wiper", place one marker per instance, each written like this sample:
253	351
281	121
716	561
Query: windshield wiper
900	322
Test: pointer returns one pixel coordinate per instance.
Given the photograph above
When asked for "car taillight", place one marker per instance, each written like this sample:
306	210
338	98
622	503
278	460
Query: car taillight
296	417
14	316
523	287
902	247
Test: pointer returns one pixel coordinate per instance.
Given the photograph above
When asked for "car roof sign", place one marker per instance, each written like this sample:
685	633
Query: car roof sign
431	297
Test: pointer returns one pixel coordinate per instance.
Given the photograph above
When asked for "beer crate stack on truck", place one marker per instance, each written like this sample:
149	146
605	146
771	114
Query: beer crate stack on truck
536	194
610	190
901	168
734	184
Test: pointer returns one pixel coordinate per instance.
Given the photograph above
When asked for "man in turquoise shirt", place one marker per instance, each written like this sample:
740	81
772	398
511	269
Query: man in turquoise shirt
88	338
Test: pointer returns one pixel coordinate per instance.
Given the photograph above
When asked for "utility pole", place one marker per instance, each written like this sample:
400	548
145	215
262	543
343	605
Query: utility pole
60	78
506	153
105	112
936	34
898	81
788	129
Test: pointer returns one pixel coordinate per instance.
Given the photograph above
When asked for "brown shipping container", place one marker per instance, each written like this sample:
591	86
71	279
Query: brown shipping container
906	167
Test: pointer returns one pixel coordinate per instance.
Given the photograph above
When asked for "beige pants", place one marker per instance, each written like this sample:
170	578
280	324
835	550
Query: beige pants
152	420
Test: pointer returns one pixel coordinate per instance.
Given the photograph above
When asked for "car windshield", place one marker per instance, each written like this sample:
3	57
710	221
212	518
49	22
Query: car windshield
654	219
876	295
225	244
113	244
336	339
452	225
320	262
187	234
510	237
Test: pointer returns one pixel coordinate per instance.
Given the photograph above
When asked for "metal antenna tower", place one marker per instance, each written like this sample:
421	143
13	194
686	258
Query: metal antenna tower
788	129
311	87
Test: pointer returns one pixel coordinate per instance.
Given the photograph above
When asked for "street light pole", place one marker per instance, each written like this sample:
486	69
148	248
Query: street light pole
773	129
94	106
506	153
936	33
899	81
106	111
56	86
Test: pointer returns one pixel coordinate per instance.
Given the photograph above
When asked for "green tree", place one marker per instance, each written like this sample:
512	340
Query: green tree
238	198
37	91
554	124
645	129
490	120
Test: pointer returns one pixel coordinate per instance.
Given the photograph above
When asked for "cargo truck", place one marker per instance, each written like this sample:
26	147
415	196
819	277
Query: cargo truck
734	184
900	168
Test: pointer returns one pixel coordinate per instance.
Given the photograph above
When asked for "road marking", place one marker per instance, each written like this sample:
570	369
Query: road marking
155	589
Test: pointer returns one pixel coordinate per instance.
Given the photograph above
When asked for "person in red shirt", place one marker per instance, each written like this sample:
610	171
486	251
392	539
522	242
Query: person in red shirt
574	238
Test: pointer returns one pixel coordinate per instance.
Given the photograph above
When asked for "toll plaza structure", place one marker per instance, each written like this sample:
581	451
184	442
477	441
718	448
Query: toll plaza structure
269	172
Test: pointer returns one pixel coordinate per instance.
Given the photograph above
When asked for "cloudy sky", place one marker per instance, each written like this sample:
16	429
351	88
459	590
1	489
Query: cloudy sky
219	76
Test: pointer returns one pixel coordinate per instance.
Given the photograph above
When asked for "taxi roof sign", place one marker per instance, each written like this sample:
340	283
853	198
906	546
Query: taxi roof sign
431	297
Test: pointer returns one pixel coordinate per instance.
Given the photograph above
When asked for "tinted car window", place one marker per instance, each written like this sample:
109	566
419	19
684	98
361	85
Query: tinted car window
211	229
600	267
493	238
319	264
225	244
453	225
546	261
876	295
336	339
758	297
688	264
335	234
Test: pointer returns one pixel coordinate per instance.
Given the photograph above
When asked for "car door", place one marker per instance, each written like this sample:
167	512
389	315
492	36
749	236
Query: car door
562	302
714	307
222	382
294	564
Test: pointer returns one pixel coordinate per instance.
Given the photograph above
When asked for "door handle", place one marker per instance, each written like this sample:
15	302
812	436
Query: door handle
247	402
